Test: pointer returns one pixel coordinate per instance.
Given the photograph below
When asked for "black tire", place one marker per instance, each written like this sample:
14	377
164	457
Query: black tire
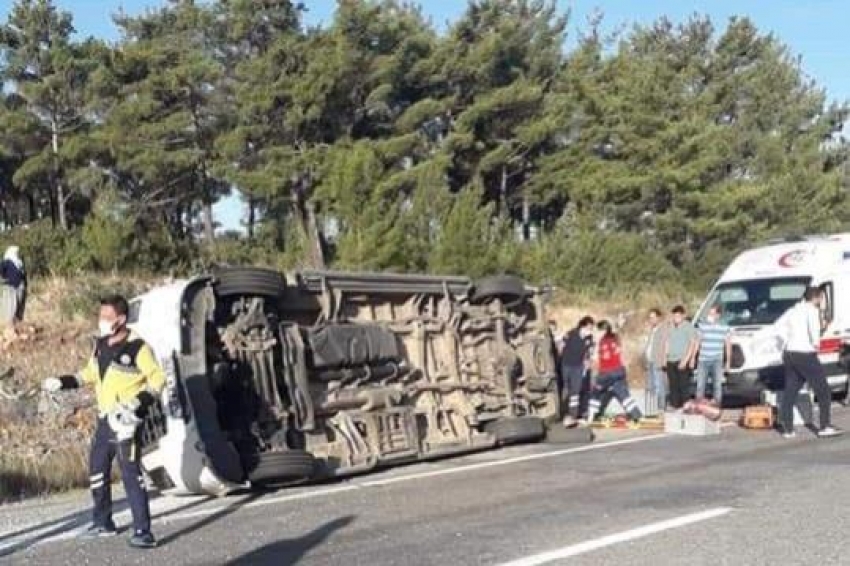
521	429
251	281
272	468
557	434
507	288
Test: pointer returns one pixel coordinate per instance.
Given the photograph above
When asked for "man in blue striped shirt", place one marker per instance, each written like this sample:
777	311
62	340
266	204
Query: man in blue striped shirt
713	344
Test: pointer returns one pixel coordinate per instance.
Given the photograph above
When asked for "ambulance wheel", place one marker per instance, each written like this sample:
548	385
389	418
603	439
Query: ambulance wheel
279	468
251	281
512	430
507	288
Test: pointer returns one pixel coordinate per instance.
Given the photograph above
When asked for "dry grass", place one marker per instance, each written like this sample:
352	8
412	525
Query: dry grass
31	463
43	447
44	443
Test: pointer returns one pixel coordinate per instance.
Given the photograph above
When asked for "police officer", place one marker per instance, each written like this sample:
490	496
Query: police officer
127	380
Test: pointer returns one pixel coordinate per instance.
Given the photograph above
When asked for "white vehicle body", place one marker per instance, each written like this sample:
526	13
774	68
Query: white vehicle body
156	317
760	285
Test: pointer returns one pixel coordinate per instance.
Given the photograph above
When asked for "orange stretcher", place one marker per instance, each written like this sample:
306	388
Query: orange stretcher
625	423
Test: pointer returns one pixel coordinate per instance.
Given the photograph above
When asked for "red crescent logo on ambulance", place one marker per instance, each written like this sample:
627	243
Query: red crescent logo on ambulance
792	259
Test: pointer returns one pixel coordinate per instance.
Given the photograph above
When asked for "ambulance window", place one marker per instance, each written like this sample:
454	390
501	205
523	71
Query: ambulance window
756	302
827	296
786	292
133	315
733	295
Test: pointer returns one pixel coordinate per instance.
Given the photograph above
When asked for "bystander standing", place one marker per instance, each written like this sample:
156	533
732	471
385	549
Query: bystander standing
714	347
654	362
679	347
800	329
14	279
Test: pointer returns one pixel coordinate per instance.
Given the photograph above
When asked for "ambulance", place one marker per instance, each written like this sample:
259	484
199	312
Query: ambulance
760	285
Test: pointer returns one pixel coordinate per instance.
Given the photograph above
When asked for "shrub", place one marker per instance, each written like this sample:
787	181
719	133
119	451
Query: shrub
262	251
470	241
107	240
82	296
47	249
601	261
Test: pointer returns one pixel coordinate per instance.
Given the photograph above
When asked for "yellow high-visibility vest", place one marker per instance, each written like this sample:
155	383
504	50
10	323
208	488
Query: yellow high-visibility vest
133	369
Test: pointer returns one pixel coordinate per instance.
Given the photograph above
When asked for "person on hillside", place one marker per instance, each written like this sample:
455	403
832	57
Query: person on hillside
714	346
800	330
14	276
656	380
127	380
610	375
679	353
573	364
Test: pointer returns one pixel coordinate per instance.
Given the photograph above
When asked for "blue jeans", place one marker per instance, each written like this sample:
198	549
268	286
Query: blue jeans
573	378
656	383
715	368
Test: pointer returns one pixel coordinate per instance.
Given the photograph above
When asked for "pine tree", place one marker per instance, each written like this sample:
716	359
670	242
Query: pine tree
493	73
469	239
162	98
259	46
45	117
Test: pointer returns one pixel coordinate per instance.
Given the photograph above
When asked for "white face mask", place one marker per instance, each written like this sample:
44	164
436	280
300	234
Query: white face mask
106	328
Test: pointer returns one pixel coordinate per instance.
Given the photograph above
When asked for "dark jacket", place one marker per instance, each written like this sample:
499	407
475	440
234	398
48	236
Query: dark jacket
11	274
576	349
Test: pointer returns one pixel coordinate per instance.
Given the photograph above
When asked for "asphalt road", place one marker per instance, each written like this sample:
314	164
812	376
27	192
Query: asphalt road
630	498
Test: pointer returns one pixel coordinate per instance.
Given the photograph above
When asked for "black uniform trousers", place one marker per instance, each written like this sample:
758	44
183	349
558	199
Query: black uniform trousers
104	448
680	384
800	368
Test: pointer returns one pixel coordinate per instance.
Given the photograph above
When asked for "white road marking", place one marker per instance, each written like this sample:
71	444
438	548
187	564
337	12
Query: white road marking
34	532
626	536
169	504
515	460
410	477
259	503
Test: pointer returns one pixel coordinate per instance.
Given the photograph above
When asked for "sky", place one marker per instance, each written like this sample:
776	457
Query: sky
816	30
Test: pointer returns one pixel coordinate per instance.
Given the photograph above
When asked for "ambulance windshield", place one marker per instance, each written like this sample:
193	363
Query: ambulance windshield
756	302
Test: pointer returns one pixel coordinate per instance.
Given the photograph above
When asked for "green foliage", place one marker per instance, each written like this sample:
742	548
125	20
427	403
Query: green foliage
82	300
263	251
47	249
470	241
107	240
378	143
599	260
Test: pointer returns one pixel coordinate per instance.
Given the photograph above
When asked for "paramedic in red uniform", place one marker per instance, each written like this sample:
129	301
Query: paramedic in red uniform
611	375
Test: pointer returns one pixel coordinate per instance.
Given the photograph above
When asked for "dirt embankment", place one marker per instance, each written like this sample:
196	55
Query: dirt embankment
44	438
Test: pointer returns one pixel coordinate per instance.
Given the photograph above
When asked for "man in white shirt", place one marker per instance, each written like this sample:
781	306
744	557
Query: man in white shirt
801	329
